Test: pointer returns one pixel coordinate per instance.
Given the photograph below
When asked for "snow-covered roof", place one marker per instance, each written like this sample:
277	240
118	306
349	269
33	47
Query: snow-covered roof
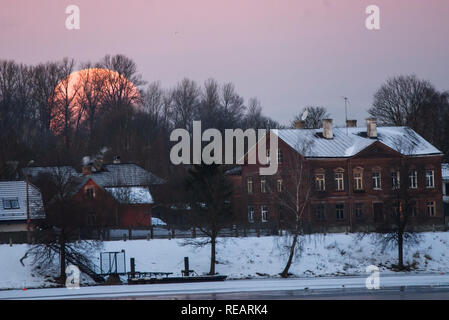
157	222
131	195
347	142
56	170
13	201
124	174
445	170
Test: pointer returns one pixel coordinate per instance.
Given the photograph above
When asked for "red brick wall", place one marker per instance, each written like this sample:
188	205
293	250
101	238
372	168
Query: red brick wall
376	156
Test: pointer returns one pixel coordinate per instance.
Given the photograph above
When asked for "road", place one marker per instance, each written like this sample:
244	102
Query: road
400	286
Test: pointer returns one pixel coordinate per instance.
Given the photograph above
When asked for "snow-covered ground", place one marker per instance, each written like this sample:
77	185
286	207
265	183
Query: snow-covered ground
241	258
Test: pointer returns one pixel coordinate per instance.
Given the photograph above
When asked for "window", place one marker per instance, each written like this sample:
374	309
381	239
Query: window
263	185
413	212
250	214
358	180
91	219
339	181
12	203
279	156
359	210
320	182
430	181
264	211
90	192
249	185
319	212
279	185
430	208
377	180
413	179
395	180
339	210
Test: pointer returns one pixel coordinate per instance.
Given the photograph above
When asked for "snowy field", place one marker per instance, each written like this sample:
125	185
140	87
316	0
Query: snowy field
243	258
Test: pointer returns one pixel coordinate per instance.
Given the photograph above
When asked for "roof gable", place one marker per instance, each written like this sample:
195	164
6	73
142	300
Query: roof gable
378	150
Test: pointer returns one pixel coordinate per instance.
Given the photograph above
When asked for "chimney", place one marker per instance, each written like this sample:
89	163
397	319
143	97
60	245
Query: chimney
116	160
351	123
299	124
327	129
371	128
87	170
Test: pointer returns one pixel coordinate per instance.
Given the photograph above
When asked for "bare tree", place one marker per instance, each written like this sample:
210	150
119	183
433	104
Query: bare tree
64	217
65	96
410	101
185	99
315	116
122	81
394	228
291	190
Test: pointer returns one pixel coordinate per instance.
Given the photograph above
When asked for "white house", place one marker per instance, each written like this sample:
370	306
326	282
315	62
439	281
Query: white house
19	201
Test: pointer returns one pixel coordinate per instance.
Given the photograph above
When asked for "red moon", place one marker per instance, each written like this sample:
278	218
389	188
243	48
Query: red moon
86	88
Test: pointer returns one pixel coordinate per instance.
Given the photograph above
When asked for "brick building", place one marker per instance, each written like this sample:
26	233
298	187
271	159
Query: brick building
352	173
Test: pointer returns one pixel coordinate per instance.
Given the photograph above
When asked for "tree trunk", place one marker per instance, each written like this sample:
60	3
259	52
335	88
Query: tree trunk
400	251
284	273
62	259
212	256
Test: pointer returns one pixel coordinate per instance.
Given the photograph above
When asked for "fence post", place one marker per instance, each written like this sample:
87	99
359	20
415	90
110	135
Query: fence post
152	232
132	263
258	233
130	232
173	233
10	242
194	232
186	267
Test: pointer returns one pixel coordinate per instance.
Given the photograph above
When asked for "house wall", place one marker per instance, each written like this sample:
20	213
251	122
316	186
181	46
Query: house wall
375	157
109	213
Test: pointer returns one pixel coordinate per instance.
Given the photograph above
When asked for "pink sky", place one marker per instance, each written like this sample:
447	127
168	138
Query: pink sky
288	53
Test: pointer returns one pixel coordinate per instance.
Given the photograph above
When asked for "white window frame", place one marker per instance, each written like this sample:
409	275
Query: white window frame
338	211
279	156
280	185
413	179
320	181
251	214
377	180
264	213
431	209
430	177
263	185
340	181
249	185
358	180
395	180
